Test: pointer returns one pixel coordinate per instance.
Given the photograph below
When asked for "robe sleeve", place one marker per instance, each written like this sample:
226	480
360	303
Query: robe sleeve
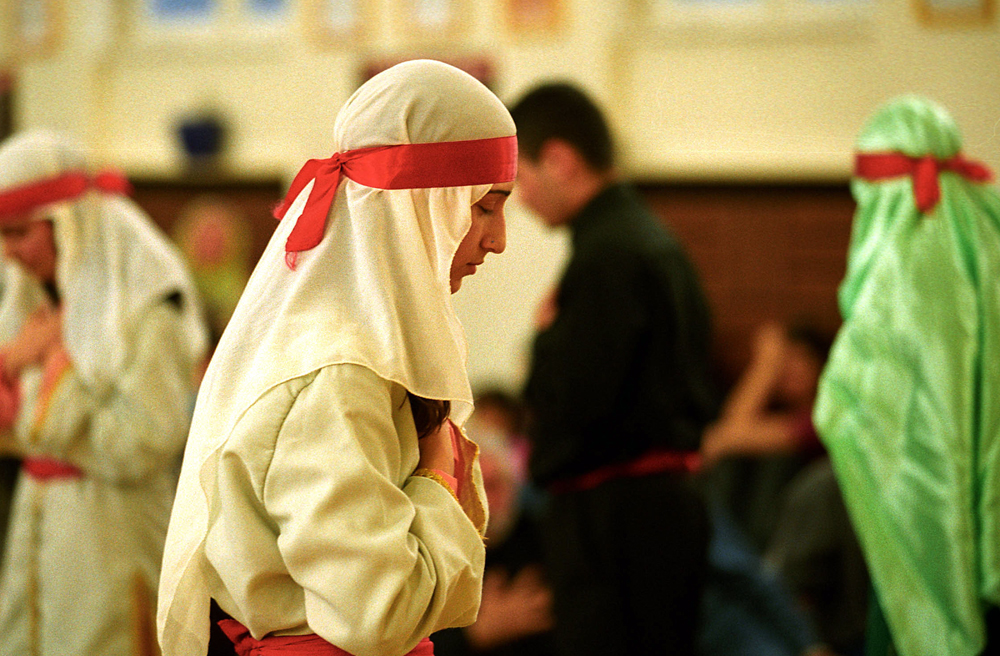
137	427
382	565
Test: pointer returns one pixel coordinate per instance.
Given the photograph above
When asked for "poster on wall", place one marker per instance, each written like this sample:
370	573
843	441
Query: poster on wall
269	9
433	19
956	12
528	16
336	23
181	10
36	26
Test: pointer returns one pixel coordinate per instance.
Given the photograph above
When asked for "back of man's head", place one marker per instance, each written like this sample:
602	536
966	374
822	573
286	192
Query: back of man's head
560	110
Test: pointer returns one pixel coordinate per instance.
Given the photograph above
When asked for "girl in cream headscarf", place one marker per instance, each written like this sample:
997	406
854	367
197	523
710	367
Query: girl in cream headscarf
307	509
101	335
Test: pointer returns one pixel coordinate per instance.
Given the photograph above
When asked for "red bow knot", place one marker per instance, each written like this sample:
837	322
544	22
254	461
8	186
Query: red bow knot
923	170
403	166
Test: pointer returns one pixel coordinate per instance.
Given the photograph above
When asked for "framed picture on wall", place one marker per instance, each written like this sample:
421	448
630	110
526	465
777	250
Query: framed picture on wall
526	16
429	20
955	12
36	26
336	23
171	11
266	9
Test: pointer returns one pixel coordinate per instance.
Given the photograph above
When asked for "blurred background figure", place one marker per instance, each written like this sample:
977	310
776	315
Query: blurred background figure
815	555
18	297
619	392
515	617
768	474
211	233
909	403
748	611
764	434
102	338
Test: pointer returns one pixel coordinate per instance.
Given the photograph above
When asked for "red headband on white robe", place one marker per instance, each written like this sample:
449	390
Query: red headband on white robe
404	166
63	187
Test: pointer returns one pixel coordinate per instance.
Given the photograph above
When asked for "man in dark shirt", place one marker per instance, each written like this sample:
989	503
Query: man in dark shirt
619	393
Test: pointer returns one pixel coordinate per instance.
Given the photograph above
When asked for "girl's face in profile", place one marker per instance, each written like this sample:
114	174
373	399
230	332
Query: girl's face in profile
488	234
30	242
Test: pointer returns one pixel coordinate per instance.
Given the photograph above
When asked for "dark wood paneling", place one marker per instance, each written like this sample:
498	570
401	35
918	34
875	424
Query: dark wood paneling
764	253
165	200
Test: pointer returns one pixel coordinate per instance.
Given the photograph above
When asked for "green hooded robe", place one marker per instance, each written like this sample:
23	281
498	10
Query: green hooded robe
909	403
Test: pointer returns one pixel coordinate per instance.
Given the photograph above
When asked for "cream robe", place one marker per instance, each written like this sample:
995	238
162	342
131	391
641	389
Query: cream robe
318	526
83	556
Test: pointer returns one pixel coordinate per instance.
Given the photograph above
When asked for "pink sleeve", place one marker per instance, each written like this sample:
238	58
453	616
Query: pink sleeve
806	435
459	467
449	479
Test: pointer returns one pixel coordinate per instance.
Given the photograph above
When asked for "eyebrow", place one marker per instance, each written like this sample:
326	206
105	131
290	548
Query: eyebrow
503	192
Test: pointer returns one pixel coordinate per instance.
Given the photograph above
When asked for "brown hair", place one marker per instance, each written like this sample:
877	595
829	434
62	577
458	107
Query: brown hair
428	414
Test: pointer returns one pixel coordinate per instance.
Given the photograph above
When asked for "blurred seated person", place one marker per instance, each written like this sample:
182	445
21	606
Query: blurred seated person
746	609
815	553
515	616
770	408
764	434
770	476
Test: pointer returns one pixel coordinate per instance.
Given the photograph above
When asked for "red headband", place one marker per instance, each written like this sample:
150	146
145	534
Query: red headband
923	170
405	166
63	187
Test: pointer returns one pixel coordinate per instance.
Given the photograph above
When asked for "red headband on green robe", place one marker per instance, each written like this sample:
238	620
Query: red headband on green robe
923	170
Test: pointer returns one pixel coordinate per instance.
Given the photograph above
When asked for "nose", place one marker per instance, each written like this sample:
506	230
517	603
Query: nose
495	239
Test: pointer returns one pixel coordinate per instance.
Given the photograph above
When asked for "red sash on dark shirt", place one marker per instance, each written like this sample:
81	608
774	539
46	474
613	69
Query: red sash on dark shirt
305	645
652	462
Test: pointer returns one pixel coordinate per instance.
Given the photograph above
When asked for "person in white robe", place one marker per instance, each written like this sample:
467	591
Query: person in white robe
100	333
308	509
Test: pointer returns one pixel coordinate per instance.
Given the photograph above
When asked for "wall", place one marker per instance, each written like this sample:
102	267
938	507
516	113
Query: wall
747	101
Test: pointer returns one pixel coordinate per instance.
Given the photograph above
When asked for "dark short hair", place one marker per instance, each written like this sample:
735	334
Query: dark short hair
559	110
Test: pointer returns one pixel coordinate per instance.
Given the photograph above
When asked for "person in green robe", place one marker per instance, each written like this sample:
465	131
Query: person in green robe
909	402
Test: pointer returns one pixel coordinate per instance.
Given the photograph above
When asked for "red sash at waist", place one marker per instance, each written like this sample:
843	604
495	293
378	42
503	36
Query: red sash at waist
304	645
652	462
46	469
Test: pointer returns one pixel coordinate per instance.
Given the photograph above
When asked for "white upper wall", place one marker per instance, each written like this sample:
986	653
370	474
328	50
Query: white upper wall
730	97
733	97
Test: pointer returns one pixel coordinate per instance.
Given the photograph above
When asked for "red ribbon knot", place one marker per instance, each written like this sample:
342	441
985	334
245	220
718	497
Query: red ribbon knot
923	170
402	166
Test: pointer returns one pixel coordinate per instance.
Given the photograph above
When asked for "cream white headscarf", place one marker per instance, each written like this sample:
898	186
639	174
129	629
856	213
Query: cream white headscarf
375	291
112	263
19	295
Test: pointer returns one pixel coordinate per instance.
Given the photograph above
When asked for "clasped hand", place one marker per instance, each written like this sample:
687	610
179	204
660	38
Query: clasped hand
40	335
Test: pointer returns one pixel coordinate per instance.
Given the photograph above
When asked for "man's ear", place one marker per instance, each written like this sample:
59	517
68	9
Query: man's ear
560	160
